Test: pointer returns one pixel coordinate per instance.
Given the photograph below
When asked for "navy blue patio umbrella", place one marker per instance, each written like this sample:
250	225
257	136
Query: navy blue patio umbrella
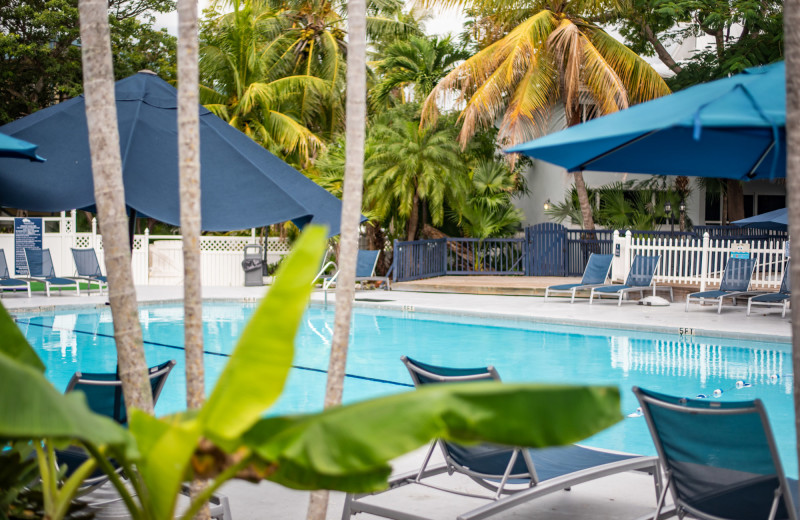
731	128
777	220
243	185
17	148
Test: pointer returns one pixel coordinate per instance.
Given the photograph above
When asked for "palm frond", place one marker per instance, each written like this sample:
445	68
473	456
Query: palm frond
606	87
565	44
641	81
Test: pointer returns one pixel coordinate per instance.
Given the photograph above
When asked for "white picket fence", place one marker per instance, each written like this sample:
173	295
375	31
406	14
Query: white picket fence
699	262
157	259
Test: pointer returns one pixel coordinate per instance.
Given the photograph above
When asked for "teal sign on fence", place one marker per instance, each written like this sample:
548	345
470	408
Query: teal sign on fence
27	234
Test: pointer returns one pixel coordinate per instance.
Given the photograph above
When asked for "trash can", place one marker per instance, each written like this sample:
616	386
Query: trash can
252	265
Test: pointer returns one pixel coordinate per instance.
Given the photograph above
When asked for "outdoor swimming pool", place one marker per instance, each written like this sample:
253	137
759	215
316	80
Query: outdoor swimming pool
73	340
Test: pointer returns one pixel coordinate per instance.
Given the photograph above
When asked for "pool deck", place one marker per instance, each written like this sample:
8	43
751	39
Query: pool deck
617	497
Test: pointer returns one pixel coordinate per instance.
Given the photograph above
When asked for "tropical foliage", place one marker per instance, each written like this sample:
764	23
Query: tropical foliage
624	205
411	170
409	69
745	33
487	210
554	55
249	83
40	59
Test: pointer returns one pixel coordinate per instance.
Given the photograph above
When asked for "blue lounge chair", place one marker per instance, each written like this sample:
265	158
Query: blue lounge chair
719	458
11	284
365	270
40	269
103	393
780	298
735	283
512	475
595	275
104	396
640	278
88	269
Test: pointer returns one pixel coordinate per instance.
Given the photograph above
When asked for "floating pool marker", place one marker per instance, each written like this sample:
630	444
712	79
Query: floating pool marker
637	413
717	392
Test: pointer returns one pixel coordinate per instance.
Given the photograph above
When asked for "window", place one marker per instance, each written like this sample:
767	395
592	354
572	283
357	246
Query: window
767	203
713	209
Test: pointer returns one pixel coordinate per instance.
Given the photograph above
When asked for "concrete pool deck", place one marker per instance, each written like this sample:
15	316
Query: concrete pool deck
623	496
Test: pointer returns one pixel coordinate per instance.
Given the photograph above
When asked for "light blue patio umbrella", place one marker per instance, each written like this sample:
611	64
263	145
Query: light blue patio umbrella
731	128
777	220
17	148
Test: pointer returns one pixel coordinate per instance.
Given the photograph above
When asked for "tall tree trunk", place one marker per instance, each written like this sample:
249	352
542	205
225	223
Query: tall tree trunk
791	19
109	195
356	114
413	219
583	199
735	202
189	168
574	118
189	163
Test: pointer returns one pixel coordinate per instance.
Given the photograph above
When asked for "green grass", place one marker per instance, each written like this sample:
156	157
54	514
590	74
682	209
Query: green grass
39	286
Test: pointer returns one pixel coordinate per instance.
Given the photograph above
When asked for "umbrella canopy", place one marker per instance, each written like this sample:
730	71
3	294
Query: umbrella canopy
243	185
778	220
730	128
17	148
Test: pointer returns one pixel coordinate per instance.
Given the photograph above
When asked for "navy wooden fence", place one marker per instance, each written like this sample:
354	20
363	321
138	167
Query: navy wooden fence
581	244
547	249
739	233
472	256
546	245
419	259
488	256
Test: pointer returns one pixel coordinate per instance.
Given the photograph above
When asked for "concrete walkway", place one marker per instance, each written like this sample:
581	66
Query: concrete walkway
618	497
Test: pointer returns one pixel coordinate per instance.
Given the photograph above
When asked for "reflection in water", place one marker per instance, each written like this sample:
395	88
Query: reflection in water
699	360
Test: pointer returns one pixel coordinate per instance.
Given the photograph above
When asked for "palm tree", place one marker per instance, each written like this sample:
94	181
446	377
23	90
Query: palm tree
553	56
487	211
412	170
417	63
189	182
249	83
791	16
189	174
101	119
356	113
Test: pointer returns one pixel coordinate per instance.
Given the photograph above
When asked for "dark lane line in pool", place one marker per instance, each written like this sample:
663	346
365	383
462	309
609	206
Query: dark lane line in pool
220	354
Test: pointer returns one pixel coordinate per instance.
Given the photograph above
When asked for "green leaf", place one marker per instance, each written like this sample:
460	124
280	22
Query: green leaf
167	446
14	345
38	411
348	448
255	375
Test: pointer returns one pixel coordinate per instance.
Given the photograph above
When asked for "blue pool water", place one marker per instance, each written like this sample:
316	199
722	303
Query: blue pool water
68	341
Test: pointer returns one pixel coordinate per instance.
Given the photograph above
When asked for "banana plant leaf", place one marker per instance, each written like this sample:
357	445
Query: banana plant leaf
251	382
33	409
13	343
255	375
348	448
